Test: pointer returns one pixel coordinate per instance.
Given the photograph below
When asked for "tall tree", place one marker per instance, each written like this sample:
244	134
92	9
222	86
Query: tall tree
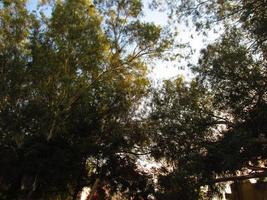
70	85
231	73
209	129
180	122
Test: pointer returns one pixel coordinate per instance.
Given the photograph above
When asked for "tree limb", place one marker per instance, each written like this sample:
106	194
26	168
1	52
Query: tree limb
241	178
94	188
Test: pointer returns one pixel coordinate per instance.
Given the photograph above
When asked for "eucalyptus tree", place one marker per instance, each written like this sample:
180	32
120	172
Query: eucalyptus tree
70	85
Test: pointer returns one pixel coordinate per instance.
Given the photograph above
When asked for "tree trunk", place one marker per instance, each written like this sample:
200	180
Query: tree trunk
94	188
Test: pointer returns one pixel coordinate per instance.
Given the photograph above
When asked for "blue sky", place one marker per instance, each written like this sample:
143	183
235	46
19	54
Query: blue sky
32	5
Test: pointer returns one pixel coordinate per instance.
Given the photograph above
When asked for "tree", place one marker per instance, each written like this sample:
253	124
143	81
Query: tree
248	15
229	136
207	130
238	81
70	85
180	120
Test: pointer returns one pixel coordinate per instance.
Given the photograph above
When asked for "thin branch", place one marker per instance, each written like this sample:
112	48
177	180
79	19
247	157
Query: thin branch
51	131
256	168
135	153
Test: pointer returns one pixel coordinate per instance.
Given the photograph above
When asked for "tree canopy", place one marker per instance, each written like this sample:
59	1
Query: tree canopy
70	85
77	108
221	118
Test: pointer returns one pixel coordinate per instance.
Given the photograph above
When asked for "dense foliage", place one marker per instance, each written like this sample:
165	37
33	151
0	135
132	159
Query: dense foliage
70	85
215	127
73	88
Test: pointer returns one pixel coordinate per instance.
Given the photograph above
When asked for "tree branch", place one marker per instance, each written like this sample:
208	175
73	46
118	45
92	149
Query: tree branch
94	189
241	178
